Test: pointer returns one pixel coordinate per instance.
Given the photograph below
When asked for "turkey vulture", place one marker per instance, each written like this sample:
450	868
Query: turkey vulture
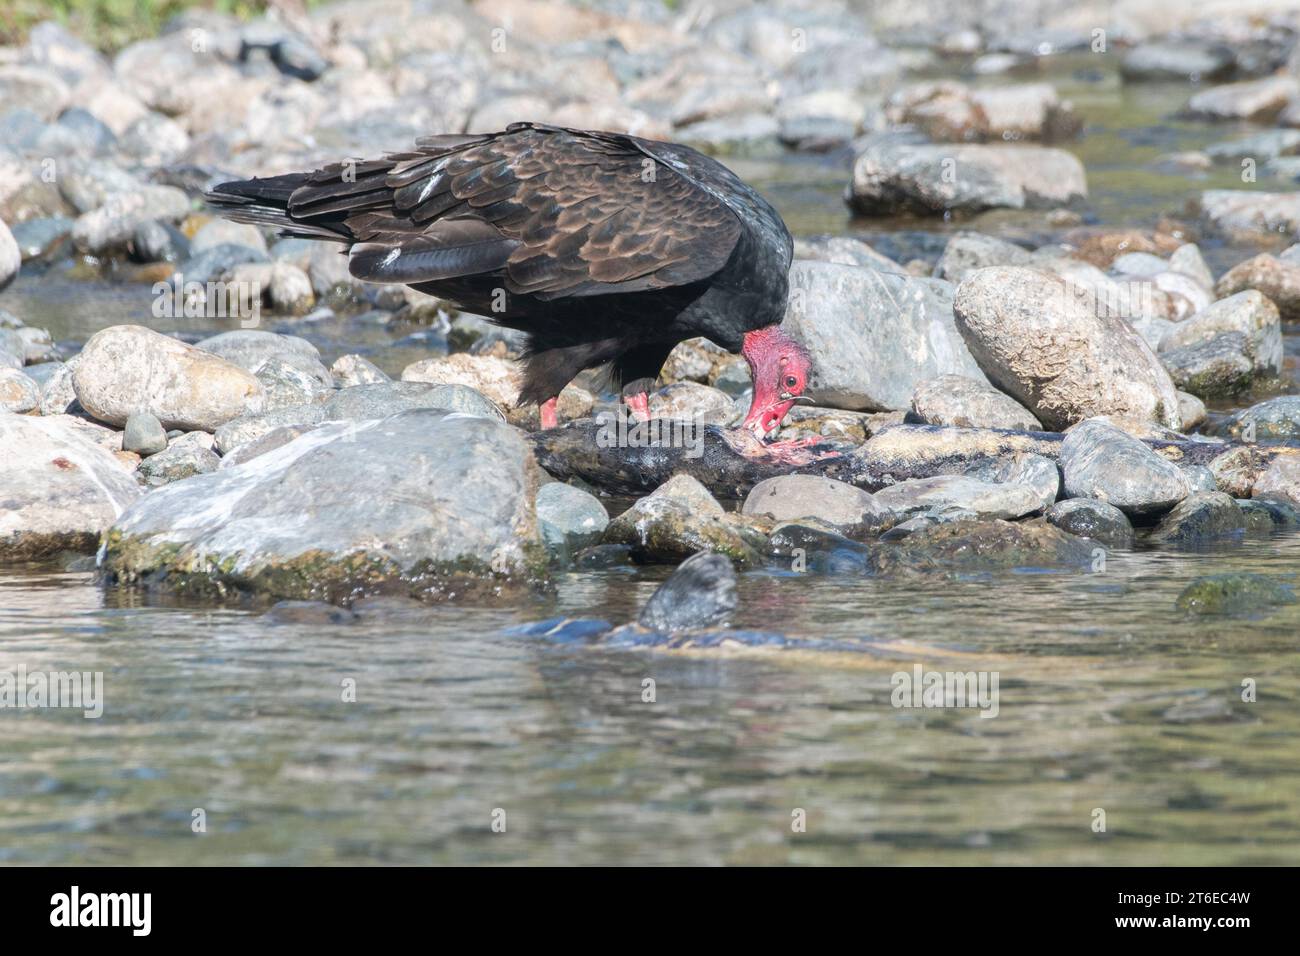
606	249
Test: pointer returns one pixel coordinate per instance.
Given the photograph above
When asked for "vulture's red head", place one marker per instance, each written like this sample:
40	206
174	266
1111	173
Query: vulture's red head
779	368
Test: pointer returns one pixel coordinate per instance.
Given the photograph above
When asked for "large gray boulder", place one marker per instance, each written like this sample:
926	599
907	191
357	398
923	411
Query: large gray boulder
1058	352
425	503
126	369
872	335
58	487
891	176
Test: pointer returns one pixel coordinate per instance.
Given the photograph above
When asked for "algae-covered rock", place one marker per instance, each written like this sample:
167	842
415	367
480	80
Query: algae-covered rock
423	503
975	545
1236	594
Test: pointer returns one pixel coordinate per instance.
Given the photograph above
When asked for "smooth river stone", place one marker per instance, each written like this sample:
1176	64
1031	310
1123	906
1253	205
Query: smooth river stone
128	368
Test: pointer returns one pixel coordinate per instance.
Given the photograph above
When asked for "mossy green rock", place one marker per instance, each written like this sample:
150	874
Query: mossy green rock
1233	594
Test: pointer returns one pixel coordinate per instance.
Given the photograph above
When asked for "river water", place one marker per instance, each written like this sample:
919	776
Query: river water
1112	704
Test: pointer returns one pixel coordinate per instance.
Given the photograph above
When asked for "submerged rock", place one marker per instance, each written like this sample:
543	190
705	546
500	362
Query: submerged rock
1061	356
975	546
1091	518
1235	594
1200	517
872	336
127	368
292	524
60	489
1100	461
701	592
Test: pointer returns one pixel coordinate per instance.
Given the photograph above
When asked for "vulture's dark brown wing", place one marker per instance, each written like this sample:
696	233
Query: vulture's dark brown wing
556	212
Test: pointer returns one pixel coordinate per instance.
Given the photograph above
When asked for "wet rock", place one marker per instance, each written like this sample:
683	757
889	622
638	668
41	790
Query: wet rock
1180	60
1275	278
353	369
11	258
18	393
790	497
251	348
680	518
1213	368
1100	461
1234	594
958	493
60	489
1246	214
1270	511
1261	147
1276	419
1085	360
818	550
872	336
312	613
603	557
701	592
976	546
1248	313
111	226
1200	517
569	518
1248	100
429	526
127	368
1091	518
947	111
892	176
144	435
284	287
284	385
969	403
968	251
191	454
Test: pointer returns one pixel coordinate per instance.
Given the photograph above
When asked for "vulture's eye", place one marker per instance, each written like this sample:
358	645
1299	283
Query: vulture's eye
791	381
